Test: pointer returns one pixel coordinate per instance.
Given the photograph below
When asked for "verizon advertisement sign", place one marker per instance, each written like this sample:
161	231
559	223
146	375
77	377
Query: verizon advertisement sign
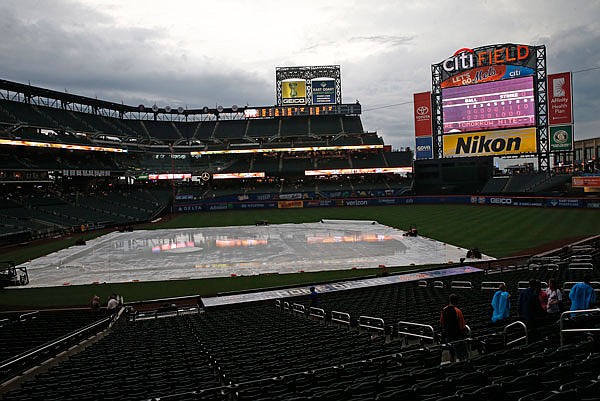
560	99
422	112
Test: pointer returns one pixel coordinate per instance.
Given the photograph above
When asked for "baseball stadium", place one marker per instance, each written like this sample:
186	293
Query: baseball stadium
287	252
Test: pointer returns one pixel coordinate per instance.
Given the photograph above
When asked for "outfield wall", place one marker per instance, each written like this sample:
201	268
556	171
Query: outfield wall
302	200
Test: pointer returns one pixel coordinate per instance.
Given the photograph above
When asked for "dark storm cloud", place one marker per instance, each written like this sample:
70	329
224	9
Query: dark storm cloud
97	57
578	50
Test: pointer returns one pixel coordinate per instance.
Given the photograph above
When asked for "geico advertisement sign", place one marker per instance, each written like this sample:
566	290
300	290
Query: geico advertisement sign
501	201
506	142
293	92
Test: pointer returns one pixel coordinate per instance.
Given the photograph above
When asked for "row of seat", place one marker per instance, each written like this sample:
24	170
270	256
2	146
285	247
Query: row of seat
235	352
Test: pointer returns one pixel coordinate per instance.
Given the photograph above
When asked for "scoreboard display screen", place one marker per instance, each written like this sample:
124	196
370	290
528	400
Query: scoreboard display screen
489	106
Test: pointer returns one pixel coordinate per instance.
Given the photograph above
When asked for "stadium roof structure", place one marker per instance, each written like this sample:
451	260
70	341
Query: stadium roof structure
28	112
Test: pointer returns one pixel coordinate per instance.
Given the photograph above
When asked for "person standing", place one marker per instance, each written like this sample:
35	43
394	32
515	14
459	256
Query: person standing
501	304
95	303
112	305
582	294
530	309
554	298
314	297
454	329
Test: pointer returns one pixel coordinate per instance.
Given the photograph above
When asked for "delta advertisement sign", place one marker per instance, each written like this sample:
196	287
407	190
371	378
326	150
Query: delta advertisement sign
489	63
491	143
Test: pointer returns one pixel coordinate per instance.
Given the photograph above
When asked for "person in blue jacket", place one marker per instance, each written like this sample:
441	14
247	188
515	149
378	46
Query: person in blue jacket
582	294
501	304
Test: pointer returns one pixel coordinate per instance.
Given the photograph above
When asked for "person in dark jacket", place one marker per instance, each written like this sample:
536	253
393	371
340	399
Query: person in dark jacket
454	329
530	310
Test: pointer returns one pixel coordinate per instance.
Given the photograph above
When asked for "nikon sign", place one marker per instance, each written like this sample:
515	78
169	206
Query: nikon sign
491	143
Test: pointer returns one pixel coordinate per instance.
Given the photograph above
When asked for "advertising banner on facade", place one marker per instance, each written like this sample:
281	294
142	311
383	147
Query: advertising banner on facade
487	74
424	147
560	99
561	138
506	142
290	204
586	181
323	91
293	92
422	113
499	55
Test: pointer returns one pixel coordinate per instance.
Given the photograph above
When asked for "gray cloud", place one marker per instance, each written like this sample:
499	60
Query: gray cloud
115	63
391	40
67	44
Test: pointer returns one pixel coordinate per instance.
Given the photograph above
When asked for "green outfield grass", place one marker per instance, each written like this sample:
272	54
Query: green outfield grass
497	231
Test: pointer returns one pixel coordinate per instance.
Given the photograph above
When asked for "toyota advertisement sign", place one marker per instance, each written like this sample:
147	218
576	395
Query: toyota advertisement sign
422	113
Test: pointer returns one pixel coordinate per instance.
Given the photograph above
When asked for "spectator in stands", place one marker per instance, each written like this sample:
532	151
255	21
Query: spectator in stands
554	298
543	297
113	303
95	303
501	304
454	329
582	294
530	309
314	297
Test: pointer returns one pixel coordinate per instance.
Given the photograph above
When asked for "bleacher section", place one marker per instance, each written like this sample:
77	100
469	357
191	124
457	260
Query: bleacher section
495	185
23	331
259	351
205	130
368	160
525	182
262	128
352	125
297	126
233	129
162	130
38	216
326	125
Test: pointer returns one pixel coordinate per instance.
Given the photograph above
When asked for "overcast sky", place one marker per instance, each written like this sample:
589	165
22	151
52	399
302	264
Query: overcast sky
197	53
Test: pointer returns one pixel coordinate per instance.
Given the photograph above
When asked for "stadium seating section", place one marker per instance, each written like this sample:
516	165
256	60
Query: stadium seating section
26	120
260	351
41	215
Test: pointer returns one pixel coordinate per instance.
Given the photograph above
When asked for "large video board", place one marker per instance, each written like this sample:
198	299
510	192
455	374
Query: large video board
489	106
491	100
316	85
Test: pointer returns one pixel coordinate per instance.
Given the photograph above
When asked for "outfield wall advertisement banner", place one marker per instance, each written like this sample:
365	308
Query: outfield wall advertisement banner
560	99
506	142
551	202
561	138
323	91
293	92
292	204
422	114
